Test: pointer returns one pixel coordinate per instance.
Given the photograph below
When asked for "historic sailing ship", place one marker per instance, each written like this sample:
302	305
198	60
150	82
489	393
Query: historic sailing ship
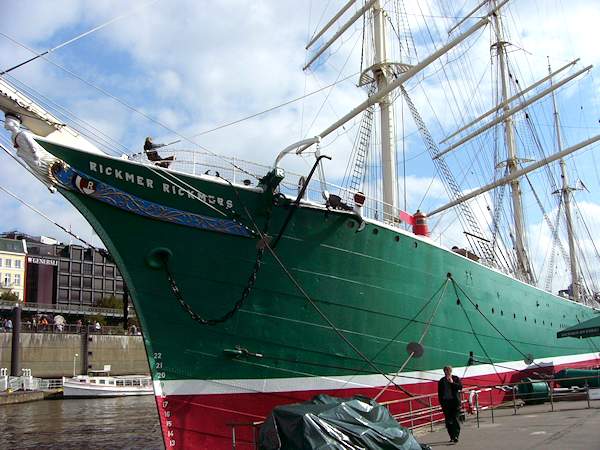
254	295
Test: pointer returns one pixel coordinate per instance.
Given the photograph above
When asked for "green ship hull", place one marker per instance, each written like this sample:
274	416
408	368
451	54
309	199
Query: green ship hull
359	299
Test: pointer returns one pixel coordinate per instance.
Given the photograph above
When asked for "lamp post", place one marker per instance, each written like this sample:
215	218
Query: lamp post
74	359
15	355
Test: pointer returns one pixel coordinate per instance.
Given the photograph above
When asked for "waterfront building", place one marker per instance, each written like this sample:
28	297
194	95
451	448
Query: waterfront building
12	266
68	274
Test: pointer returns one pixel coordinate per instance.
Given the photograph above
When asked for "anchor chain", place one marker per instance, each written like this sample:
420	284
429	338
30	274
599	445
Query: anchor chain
245	292
229	314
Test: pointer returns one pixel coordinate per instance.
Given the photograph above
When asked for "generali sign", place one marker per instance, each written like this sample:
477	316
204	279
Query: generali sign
44	261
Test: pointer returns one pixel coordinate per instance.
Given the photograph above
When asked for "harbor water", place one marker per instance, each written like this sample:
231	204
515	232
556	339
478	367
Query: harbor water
109	423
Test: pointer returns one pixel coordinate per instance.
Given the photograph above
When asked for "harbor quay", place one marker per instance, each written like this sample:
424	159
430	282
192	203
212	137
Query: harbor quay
572	425
53	354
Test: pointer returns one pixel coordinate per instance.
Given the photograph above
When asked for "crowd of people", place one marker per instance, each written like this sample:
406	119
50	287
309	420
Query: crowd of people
39	323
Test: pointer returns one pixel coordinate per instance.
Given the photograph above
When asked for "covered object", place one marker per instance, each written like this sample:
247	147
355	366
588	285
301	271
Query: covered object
589	328
327	423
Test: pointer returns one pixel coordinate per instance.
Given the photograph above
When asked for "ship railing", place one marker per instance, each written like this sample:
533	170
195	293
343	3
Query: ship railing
243	172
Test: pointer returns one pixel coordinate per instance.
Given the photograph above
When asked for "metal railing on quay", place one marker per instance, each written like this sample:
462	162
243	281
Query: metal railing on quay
28	327
66	309
27	382
422	411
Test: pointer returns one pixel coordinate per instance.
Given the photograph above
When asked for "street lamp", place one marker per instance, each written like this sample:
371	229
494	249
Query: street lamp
74	359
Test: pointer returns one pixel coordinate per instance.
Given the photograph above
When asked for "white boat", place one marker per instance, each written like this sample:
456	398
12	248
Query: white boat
107	386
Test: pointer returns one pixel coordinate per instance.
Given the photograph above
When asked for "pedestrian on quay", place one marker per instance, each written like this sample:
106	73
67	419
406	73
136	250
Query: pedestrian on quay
449	388
97	327
9	325
78	325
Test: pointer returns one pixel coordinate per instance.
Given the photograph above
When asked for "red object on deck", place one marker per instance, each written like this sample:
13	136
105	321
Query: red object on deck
359	199
406	218
420	226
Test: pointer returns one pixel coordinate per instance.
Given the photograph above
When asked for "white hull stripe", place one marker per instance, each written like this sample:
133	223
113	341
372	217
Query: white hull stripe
318	383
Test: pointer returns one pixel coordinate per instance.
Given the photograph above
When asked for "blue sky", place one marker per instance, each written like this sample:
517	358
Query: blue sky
194	65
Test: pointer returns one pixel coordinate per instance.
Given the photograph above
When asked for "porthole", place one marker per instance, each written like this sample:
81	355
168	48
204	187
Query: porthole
458	301
375	230
525	318
416	244
501	312
492	310
514	316
397	238
534	320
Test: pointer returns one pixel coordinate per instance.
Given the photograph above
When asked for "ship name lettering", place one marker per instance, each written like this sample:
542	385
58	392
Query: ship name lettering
172	443
170	433
167	188
169	423
118	174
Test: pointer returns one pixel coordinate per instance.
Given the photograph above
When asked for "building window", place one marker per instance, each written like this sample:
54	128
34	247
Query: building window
98	284
109	285
75	295
6	279
120	285
98	257
63	294
109	271
17	281
8	263
64	266
76	267
63	280
76	254
98	270
76	282
17	263
87	269
87	283
86	297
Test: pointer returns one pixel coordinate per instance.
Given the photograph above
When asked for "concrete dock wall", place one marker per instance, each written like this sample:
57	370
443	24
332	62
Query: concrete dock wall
51	355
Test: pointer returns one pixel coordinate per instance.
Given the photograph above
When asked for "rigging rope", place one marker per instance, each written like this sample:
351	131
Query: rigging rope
412	353
76	38
489	321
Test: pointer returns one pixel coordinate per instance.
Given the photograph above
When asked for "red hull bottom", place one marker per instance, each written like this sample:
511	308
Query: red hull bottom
204	421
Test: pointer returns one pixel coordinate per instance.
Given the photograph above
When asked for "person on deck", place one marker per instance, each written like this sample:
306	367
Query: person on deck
152	154
449	388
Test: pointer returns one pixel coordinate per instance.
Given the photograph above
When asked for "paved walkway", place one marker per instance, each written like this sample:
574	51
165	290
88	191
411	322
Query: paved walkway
570	427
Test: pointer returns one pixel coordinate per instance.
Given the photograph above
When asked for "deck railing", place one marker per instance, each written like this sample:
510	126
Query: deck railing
243	172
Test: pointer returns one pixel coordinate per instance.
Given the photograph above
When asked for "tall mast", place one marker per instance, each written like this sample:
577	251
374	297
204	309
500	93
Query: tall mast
382	73
565	191
512	162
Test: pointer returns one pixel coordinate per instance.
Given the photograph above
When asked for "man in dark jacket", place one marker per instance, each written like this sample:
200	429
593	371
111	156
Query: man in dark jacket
150	150
449	388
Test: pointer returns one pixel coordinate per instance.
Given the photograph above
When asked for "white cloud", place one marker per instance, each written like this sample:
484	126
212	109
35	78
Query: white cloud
196	65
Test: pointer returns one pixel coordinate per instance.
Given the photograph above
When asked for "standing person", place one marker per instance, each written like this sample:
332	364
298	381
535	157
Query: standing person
449	388
97	327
